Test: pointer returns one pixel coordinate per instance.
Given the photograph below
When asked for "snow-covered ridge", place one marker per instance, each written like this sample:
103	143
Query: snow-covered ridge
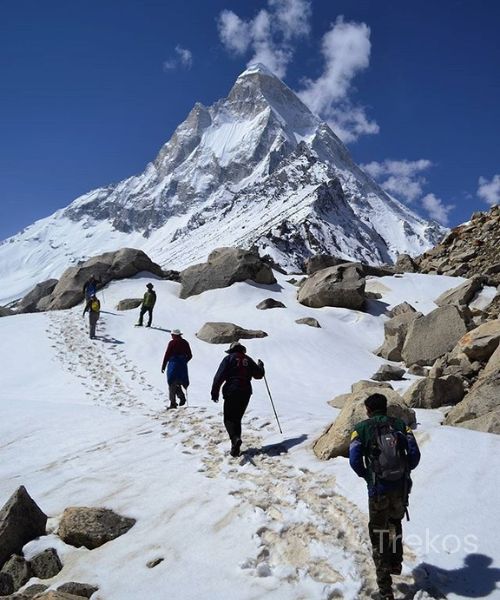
250	170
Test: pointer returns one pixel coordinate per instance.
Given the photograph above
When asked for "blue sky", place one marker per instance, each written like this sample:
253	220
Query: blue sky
90	91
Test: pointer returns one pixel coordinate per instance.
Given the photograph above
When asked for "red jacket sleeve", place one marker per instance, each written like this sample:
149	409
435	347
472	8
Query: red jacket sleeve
168	355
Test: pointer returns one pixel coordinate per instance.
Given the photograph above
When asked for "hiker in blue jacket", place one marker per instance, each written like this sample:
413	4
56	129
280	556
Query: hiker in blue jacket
236	372
383	451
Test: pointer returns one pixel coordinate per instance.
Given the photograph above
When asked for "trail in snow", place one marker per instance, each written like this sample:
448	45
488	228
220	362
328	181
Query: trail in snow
304	527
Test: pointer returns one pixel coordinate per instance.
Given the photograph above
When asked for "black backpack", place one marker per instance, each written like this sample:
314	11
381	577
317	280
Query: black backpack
387	451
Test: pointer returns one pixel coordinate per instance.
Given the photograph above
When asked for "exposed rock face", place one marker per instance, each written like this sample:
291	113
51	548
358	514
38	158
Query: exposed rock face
388	373
488	423
270	303
30	302
47	564
432	335
335	441
469	249
483	399
405	264
6	584
124	263
225	333
319	262
224	267
21	521
463	294
342	286
92	527
129	303
82	590
395	331
308	321
434	392
6	312
480	343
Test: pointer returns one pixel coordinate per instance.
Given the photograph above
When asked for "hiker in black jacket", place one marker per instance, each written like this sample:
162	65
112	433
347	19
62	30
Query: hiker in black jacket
236	372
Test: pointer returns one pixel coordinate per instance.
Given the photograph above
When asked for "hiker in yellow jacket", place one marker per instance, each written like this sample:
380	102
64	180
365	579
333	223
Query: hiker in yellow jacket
93	307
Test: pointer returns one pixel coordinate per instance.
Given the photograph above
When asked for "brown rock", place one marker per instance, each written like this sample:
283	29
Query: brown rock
92	527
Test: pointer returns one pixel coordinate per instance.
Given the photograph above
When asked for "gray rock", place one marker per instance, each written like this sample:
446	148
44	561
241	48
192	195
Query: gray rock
46	564
6	312
18	569
395	332
335	440
432	335
34	590
483	398
401	309
488	423
317	262
434	392
151	564
341	286
405	264
225	333
463	294
6	584
270	303
493	364
21	521
308	321
224	267
366	384
388	373
92	527
418	370
480	343
41	290
129	303
106	267
82	590
56	595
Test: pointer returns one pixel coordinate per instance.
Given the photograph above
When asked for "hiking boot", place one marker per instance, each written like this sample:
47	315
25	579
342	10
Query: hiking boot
383	596
148	325
235	448
138	324
182	402
171	406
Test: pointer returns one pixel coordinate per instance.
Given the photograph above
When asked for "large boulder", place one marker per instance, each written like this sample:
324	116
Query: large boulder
129	303
480	343
364	384
434	392
57	595
483	398
342	286
395	331
82	590
21	520
6	312
224	267
225	333
317	262
41	290
335	440
432	335
463	294
488	423
106	267
405	264
92	527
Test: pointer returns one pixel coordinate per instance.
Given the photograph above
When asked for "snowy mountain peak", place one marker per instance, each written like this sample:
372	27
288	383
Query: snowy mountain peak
254	169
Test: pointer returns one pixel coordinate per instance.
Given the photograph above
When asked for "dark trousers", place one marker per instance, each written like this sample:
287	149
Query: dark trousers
386	513
235	405
144	310
175	389
93	318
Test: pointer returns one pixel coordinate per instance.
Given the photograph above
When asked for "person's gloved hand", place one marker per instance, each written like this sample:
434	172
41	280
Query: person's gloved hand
260	363
163	370
215	400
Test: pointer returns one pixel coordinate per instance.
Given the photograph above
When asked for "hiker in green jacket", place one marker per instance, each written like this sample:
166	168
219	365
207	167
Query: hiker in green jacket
147	305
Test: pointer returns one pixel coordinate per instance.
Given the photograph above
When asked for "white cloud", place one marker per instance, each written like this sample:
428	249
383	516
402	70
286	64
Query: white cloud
269	35
184	59
346	51
437	209
402	178
489	191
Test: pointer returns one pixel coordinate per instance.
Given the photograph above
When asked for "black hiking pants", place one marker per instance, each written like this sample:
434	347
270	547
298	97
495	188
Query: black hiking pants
144	310
235	405
386	513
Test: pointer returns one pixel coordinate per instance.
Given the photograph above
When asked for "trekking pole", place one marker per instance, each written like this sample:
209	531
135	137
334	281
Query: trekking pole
272	404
